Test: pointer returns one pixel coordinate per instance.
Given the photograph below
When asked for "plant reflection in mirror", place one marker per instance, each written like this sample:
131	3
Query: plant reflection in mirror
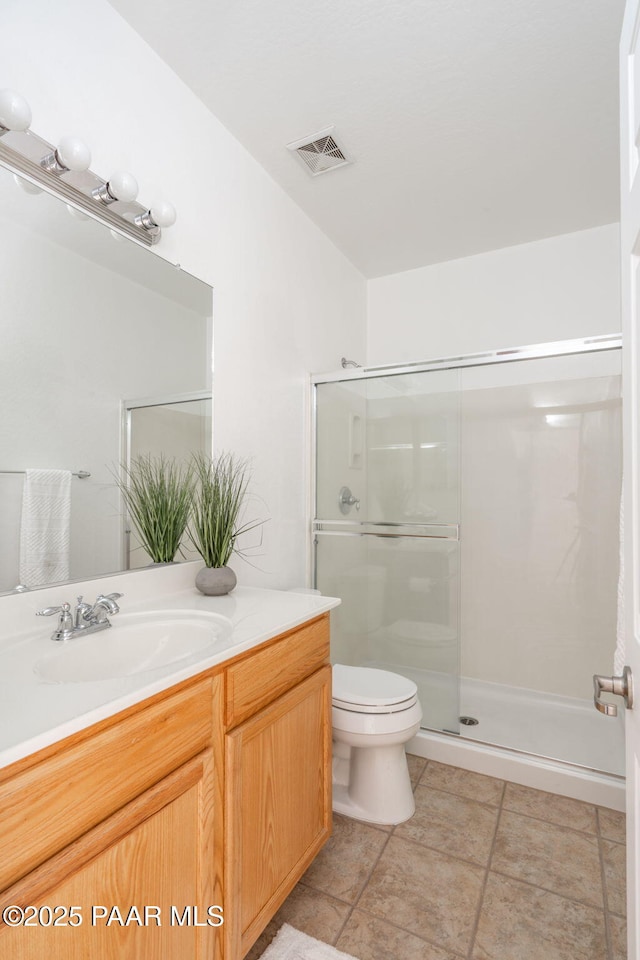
158	494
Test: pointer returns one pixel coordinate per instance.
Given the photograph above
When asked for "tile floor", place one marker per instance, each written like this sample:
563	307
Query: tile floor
484	870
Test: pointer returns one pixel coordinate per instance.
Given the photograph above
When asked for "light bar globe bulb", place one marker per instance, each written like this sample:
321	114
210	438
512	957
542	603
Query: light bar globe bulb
73	154
15	112
163	213
123	186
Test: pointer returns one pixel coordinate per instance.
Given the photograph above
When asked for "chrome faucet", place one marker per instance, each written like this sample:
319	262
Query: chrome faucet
86	618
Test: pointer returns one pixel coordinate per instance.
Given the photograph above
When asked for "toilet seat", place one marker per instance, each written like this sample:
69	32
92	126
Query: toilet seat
369	690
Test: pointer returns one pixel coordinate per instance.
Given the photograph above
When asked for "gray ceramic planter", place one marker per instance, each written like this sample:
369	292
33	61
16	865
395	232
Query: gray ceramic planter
215	581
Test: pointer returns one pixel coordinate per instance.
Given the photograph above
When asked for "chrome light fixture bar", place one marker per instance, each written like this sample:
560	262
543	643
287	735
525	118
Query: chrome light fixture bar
63	170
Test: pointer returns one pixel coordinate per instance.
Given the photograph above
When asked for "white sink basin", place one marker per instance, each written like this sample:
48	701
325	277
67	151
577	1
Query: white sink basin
135	643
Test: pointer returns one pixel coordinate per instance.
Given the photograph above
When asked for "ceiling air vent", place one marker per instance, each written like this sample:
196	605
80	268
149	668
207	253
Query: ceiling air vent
320	153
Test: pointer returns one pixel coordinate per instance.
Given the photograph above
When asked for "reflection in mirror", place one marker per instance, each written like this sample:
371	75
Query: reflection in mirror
86	322
174	428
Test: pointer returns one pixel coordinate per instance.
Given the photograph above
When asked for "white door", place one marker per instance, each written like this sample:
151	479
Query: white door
630	254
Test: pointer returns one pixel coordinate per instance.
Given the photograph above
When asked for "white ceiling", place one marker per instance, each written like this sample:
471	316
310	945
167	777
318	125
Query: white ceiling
474	124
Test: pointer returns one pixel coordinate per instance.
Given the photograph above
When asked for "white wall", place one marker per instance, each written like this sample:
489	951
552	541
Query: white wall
285	300
555	289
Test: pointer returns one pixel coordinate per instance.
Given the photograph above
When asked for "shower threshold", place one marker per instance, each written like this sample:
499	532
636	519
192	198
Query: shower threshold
562	735
546	725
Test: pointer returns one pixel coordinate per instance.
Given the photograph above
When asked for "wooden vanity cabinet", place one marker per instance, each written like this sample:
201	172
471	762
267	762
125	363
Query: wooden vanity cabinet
215	793
120	815
277	777
149	856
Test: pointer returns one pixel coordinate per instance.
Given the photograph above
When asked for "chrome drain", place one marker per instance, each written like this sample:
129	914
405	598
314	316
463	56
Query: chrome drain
469	721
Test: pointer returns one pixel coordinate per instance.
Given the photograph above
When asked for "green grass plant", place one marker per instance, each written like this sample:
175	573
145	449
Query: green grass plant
220	488
158	495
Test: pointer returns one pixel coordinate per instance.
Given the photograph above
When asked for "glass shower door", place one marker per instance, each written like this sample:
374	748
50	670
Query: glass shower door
386	533
540	500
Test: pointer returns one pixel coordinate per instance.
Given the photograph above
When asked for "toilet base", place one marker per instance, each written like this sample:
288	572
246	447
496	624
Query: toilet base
374	785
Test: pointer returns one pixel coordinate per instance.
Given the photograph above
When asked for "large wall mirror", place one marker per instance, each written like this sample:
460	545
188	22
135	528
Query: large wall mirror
89	322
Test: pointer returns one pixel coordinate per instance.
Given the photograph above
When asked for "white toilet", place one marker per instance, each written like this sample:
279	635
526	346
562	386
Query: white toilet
375	713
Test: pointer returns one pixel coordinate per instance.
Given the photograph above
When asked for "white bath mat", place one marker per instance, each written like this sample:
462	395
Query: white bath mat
291	944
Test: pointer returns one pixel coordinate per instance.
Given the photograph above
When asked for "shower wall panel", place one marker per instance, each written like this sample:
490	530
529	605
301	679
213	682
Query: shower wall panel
541	481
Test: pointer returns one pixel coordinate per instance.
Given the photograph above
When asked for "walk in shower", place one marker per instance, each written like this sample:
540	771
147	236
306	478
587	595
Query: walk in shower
467	513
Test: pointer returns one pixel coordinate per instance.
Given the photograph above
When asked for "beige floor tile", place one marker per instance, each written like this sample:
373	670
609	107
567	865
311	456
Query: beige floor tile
560	860
364	937
521	922
613	825
343	865
465	783
314	913
416	766
614	857
385	827
618	934
543	898
549	806
451	824
426	893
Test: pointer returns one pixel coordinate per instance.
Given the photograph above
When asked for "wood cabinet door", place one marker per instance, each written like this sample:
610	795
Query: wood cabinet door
278	805
49	800
154	853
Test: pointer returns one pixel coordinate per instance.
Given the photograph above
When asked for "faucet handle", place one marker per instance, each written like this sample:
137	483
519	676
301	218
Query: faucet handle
49	611
64	629
111	598
107	603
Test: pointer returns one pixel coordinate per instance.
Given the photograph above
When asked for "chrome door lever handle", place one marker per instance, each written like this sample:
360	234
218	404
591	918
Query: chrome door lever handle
620	686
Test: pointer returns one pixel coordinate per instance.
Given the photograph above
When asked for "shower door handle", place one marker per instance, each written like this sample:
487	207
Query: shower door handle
620	686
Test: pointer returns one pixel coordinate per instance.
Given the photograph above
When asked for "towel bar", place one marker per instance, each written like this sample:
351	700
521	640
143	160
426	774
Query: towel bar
81	474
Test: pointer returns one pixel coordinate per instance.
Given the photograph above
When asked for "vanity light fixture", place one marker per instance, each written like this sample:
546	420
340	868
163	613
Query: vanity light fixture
70	154
161	214
26	185
15	112
75	213
121	186
64	171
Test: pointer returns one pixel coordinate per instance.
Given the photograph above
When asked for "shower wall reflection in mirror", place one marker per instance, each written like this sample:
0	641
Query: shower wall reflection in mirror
88	321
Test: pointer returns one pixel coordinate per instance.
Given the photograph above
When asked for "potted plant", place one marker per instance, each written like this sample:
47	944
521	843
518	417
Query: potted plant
220	487
157	493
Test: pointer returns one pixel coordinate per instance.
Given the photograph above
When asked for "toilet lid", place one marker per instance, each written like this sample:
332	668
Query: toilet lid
366	686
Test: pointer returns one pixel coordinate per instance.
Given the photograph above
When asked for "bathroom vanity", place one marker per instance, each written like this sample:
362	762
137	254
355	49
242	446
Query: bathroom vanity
176	825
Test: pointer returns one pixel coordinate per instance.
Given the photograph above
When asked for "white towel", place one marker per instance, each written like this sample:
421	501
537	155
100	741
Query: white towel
619	655
292	944
45	527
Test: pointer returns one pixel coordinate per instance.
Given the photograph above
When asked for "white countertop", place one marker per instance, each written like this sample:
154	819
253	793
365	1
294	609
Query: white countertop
35	713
